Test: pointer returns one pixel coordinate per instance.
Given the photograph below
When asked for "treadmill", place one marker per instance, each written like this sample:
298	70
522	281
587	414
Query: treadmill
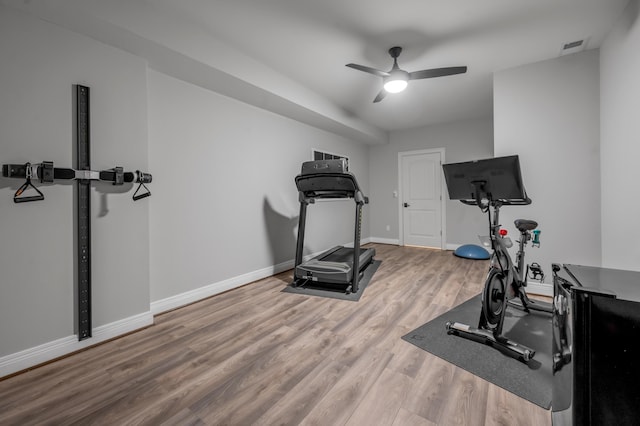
339	268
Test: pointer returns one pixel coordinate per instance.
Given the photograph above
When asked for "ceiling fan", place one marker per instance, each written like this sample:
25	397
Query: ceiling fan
395	80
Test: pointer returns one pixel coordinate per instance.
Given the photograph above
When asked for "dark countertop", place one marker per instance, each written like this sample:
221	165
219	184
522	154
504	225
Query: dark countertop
625	285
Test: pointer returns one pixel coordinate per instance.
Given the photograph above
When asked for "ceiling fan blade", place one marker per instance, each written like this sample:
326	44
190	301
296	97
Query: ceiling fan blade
436	72
380	96
369	70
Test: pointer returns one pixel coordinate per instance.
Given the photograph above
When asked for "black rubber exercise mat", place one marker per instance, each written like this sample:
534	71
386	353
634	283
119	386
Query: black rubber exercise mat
531	381
337	294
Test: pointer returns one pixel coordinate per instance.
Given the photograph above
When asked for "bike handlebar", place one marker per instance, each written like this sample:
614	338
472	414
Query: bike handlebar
503	202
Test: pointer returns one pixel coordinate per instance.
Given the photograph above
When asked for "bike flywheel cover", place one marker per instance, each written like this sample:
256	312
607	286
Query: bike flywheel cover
493	297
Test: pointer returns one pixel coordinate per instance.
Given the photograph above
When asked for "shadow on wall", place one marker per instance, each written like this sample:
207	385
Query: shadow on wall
281	232
633	13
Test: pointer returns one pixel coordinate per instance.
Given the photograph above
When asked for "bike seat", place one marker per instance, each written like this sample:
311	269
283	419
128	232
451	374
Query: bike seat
524	225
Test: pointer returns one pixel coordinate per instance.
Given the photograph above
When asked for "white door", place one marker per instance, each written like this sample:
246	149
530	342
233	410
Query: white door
421	203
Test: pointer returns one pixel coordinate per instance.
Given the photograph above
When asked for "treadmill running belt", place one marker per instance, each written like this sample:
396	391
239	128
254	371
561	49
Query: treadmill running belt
343	254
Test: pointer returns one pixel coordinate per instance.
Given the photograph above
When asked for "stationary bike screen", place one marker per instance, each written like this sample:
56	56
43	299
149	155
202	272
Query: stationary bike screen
493	178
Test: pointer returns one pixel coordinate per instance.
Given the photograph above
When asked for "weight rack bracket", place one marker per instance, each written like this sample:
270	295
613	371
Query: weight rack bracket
83	215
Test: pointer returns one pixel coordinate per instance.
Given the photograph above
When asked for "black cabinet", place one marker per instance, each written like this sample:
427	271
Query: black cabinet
596	346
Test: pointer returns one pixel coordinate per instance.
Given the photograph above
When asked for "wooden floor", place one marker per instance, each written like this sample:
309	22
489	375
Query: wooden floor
255	355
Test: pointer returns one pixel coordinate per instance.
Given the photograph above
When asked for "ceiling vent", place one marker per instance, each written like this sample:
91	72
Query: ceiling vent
573	47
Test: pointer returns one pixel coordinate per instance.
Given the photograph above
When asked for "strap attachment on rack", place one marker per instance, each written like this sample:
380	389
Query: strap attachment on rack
142	178
17	196
118	178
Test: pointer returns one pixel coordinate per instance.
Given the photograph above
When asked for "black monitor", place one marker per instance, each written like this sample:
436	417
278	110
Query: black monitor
492	179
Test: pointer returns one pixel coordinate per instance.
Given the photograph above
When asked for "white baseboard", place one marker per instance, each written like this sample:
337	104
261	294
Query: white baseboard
51	350
349	244
379	240
541	289
396	242
533	287
191	296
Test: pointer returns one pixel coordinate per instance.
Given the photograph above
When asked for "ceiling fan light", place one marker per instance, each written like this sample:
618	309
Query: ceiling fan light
395	86
396	81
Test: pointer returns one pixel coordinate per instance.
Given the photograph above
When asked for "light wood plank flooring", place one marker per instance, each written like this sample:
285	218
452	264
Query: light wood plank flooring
255	355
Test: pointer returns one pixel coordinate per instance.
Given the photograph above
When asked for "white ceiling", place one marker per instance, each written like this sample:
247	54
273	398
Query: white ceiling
295	49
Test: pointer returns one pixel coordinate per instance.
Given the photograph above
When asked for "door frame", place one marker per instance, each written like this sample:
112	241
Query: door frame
443	217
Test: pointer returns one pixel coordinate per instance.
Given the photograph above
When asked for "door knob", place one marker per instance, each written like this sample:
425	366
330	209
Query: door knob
406	204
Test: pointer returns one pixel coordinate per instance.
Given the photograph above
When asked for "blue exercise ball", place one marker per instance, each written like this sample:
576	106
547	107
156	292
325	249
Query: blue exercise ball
472	251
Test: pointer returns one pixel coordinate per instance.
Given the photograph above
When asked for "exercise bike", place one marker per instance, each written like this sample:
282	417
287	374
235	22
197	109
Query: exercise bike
504	286
506	281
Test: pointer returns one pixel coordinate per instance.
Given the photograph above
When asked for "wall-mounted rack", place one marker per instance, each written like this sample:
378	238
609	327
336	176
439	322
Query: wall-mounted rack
45	172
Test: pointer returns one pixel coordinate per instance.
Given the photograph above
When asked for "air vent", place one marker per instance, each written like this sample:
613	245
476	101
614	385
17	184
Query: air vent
573	47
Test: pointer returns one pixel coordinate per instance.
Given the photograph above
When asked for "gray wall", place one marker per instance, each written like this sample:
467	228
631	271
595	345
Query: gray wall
548	114
224	201
463	141
620	147
40	65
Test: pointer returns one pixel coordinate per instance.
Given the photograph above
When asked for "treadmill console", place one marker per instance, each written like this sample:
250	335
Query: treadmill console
324	166
327	179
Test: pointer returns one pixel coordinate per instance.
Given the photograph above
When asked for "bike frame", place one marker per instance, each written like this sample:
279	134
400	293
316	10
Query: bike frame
501	263
514	273
512	282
